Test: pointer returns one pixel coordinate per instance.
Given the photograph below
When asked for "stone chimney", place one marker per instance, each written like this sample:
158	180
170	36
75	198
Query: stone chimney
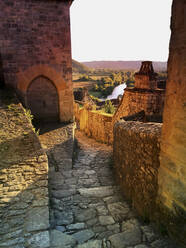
146	78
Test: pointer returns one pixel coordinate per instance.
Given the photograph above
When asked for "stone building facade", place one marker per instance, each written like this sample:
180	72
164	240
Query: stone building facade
144	96
35	48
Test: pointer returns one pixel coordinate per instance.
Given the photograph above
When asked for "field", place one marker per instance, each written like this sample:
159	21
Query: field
83	84
101	83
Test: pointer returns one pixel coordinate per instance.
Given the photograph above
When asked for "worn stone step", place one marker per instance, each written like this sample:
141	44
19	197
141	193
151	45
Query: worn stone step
59	239
99	192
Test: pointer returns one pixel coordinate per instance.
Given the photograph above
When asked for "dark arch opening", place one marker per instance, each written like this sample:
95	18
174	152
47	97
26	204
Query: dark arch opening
42	99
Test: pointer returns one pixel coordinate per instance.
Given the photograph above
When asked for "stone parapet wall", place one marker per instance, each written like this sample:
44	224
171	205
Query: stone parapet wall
100	126
96	125
136	100
24	212
136	160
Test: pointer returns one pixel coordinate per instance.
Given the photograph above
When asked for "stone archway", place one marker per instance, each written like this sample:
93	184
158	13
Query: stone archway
42	99
54	80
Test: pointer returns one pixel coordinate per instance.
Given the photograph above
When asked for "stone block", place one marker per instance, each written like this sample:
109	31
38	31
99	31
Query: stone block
91	244
106	220
83	236
39	240
61	240
37	219
97	191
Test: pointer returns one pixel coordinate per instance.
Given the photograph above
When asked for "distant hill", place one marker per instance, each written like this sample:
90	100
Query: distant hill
123	65
79	67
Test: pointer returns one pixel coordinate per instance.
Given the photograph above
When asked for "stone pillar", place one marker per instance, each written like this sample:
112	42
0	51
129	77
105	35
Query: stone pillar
172	172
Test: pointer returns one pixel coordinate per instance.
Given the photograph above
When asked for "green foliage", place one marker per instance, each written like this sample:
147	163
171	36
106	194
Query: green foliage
83	78
96	94
11	107
94	98
28	114
96	87
130	83
36	131
105	85
109	108
30	118
105	80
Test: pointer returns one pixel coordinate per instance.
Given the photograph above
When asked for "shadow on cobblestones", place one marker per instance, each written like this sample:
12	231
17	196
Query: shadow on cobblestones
87	209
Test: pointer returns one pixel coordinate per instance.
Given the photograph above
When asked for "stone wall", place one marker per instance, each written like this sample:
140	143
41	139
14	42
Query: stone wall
136	160
100	125
35	41
24	213
136	100
143	82
96	125
1	74
172	173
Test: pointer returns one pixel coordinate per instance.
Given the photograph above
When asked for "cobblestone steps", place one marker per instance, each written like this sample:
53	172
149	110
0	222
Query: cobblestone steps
87	209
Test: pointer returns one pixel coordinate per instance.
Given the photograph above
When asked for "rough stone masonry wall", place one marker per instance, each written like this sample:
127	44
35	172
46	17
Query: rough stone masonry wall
136	160
1	73
35	41
145	82
35	32
24	213
172	173
96	125
136	100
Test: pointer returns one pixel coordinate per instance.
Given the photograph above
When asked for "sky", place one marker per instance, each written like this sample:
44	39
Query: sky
120	29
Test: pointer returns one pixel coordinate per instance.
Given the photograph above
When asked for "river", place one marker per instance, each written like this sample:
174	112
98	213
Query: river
118	90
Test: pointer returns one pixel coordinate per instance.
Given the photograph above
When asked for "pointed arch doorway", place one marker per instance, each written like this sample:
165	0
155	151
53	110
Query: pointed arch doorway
43	100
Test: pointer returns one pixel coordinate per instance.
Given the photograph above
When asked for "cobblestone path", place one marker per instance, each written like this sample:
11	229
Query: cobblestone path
87	209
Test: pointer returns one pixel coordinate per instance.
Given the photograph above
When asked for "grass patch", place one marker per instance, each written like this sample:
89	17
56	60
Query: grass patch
95	94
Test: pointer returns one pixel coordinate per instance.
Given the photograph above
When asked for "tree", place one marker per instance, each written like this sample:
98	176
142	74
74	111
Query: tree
109	108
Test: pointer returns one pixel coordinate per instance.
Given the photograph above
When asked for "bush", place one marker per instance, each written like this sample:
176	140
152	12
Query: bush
109	108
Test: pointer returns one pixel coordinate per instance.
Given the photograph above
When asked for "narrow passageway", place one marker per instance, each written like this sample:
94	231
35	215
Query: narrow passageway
87	209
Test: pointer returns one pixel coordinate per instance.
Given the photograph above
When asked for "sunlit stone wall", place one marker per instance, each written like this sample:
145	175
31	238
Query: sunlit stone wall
136	152
98	126
136	100
172	173
24	212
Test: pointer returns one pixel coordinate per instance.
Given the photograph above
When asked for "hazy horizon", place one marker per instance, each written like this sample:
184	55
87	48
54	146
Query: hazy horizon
113	60
120	30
